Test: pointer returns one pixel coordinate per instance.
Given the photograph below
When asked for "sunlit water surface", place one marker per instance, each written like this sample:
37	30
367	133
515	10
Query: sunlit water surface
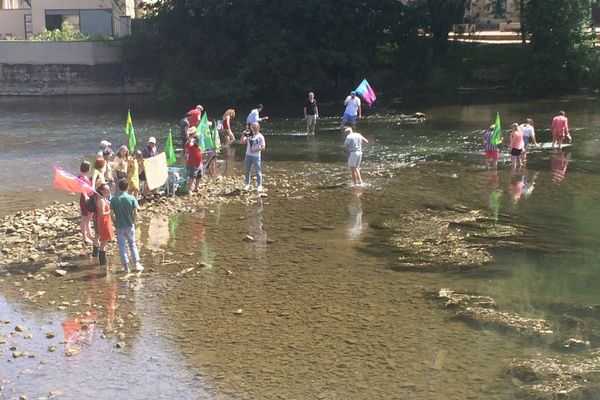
307	310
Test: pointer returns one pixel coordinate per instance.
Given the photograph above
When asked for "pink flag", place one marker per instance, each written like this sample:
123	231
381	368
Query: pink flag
65	181
365	91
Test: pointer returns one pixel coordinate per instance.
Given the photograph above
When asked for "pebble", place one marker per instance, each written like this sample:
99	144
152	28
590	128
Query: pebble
50	335
239	311
20	328
60	272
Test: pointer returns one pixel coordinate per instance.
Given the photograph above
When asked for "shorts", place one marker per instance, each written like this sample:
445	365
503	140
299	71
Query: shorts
194	172
311	122
354	159
349	118
515	152
491	154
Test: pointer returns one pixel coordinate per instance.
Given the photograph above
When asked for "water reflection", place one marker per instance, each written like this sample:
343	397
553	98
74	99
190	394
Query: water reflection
158	232
355	222
258	247
559	161
492	192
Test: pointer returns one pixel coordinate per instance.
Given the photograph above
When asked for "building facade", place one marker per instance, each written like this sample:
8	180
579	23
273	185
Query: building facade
21	19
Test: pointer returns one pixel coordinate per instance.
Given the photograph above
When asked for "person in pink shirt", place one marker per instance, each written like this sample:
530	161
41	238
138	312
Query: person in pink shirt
560	129
516	146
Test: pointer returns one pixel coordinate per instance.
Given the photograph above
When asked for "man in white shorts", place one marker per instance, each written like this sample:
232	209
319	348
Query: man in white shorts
353	145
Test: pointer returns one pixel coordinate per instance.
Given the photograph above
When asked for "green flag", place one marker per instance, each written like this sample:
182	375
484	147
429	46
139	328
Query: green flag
203	133
169	151
129	132
496	138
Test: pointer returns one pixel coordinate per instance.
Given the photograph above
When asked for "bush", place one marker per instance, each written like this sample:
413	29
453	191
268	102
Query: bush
67	32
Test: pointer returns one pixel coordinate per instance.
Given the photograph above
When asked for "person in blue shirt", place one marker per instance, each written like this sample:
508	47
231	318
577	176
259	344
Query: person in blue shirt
125	210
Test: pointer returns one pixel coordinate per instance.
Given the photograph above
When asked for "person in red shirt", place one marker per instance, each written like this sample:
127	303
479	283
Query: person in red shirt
194	163
195	114
560	129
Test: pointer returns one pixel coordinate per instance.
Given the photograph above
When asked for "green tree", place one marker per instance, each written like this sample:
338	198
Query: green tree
442	15
561	51
217	48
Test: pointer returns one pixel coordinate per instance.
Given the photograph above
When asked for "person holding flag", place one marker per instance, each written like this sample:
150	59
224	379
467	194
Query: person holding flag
352	111
491	139
130	133
491	150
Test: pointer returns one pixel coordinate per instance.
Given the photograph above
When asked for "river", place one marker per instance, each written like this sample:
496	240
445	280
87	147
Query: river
320	305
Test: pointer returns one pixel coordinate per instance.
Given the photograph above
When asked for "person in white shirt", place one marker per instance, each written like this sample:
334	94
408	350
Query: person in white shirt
528	136
353	145
255	117
255	146
353	110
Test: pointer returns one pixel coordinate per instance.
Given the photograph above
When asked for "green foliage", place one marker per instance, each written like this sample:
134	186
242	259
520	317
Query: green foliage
561	52
225	49
67	32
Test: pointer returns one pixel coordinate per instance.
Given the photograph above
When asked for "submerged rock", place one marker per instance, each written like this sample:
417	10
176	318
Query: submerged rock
482	310
448	238
570	377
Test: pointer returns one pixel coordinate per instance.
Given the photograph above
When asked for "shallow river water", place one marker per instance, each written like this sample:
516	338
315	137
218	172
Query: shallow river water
319	304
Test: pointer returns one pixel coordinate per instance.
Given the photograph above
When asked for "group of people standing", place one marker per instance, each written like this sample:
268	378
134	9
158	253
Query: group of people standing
521	136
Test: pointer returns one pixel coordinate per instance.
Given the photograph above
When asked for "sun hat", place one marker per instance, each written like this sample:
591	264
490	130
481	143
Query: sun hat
152	139
104	143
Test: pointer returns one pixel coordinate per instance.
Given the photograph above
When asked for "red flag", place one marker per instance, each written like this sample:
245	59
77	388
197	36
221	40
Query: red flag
64	180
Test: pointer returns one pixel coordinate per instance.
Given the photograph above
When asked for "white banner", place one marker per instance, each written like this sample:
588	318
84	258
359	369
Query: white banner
156	171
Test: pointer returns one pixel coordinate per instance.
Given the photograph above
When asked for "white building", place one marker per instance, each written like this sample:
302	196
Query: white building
20	19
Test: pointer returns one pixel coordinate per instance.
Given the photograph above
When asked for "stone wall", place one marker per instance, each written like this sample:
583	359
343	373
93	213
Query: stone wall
62	68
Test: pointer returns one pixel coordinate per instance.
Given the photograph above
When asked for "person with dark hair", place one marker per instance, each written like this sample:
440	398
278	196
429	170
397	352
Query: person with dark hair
560	129
125	210
254	116
193	163
352	112
184	125
105	226
86	214
226	127
528	136
311	114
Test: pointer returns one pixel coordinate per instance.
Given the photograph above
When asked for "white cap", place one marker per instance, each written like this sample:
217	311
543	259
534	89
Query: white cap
152	139
104	143
348	130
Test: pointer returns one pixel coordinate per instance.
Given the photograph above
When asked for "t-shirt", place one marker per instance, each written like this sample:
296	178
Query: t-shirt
560	124
123	204
149	152
311	107
255	142
352	105
194	117
526	129
354	141
487	139
253	117
194	154
82	198
184	124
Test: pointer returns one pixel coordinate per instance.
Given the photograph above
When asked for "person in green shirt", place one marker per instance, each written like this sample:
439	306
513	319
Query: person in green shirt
125	210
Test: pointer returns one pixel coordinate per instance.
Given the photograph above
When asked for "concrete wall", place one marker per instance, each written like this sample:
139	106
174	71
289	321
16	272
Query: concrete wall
66	53
44	80
13	23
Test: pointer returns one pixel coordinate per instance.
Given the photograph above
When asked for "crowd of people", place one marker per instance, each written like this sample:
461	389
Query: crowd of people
521	137
118	179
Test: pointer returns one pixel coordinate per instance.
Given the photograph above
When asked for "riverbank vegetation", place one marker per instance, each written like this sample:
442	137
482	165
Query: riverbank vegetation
232	50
